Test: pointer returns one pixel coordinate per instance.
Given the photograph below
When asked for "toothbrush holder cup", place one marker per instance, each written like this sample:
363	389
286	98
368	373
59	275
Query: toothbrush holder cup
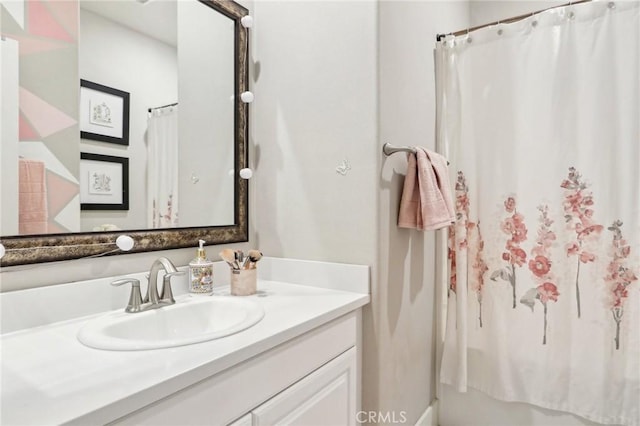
244	282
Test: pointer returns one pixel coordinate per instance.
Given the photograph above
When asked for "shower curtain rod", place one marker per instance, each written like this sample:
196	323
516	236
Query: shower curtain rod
163	106
439	37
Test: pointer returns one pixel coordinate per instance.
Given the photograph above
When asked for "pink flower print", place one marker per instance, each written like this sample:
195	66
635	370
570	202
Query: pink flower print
619	292
510	205
572	202
587	257
519	233
540	266
462	199
626	275
619	276
513	226
462	203
459	242
479	267
452	260
548	291
518	256
508	226
586	231
469	239
572	248
453	281
579	218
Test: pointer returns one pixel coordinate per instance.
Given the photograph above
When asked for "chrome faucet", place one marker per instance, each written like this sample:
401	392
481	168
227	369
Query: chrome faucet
152	300
166	295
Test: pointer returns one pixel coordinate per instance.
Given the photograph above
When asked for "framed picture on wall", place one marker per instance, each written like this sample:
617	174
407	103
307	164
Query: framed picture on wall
104	113
104	182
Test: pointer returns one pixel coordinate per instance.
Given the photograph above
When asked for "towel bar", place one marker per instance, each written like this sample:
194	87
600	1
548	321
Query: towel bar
389	149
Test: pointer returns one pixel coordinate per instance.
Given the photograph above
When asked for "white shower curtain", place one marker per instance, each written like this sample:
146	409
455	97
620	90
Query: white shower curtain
540	119
162	167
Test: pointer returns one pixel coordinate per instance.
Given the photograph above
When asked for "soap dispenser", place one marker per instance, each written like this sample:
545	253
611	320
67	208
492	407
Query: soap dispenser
201	272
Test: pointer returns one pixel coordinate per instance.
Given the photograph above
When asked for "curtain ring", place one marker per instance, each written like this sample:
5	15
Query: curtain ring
570	15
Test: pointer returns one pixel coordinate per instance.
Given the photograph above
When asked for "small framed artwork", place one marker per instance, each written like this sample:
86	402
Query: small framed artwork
104	182
104	113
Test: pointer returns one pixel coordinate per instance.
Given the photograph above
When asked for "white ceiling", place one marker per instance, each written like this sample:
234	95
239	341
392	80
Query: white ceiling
155	18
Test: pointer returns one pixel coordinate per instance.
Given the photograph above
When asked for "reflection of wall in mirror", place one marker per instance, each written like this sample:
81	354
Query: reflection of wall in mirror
206	120
116	56
47	126
9	146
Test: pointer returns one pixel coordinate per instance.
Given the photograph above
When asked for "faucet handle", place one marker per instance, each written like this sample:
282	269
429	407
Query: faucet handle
166	294
135	298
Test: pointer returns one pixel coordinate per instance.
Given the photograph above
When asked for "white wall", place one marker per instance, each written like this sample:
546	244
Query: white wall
480	409
9	83
115	56
316	104
401	332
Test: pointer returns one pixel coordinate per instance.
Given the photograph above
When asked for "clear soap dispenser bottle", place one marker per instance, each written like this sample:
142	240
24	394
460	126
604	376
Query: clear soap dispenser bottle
201	272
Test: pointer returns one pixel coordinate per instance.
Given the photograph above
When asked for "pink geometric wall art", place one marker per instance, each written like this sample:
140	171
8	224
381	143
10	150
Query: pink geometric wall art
66	13
63	201
41	22
26	131
30	45
45	118
60	192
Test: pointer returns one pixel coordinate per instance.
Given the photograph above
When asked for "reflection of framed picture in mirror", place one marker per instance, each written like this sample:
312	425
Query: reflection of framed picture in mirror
104	113
104	182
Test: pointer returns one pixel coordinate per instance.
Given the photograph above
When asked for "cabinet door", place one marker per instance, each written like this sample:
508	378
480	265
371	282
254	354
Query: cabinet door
243	421
326	397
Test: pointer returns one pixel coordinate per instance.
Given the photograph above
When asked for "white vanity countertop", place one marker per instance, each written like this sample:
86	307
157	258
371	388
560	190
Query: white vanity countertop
49	377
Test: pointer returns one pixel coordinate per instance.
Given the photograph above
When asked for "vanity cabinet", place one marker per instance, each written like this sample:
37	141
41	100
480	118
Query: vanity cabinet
309	380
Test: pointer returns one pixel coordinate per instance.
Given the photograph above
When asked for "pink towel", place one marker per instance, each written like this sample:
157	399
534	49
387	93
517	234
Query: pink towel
426	202
32	197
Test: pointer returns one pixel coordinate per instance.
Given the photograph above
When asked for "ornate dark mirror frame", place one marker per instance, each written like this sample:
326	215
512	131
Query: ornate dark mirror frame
22	250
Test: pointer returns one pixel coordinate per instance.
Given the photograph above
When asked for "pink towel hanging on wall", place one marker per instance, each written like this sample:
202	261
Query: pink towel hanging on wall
426	203
32	197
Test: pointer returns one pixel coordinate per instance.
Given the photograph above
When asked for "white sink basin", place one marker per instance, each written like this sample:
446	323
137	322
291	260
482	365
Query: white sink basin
190	320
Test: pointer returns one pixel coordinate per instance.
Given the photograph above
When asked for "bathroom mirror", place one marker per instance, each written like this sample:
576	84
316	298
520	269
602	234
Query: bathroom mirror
212	53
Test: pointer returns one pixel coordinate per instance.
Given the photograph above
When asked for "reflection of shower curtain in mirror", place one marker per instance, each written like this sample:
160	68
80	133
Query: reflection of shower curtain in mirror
162	167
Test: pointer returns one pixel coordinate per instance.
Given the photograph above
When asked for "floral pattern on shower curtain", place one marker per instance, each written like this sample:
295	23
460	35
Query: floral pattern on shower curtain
541	121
